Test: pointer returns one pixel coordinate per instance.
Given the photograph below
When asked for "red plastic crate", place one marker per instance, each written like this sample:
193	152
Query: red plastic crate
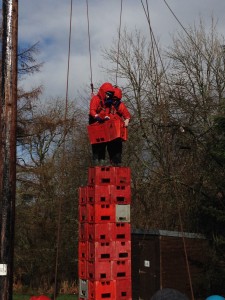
123	176
122	250
98	251
121	269
122	232
108	131
101	213
108	175
83	231
82	269
82	250
103	232
82	195
99	290
101	270
98	133
82	213
99	194
124	289
101	175
116	129
121	194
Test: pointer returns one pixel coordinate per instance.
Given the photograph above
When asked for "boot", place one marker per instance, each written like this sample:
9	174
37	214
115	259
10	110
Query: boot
102	162
95	162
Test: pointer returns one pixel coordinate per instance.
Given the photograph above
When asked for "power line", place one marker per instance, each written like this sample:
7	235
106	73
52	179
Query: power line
153	42
190	37
178	204
180	23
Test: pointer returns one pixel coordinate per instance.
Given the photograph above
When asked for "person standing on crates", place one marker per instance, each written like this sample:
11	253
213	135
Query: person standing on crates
117	110
99	108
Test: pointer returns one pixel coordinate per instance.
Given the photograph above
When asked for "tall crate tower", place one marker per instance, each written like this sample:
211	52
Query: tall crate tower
105	235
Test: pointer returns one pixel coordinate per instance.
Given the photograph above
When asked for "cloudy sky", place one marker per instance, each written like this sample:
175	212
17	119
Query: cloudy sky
47	22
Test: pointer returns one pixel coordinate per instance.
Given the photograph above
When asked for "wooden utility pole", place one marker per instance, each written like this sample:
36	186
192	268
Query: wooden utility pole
8	118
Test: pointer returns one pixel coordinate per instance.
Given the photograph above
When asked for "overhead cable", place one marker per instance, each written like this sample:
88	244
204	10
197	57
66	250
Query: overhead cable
190	37
155	43
178	205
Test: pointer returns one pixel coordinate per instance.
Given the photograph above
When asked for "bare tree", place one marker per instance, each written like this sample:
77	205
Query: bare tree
173	99
52	160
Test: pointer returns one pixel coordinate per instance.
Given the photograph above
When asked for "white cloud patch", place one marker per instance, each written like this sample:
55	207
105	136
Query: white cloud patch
47	21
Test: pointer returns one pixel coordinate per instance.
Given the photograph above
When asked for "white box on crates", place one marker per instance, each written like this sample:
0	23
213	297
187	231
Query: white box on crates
122	213
83	288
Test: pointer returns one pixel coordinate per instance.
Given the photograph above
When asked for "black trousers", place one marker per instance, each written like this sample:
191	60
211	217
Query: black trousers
114	149
98	151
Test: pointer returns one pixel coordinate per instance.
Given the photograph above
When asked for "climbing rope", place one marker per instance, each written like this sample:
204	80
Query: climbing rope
154	45
153	42
118	47
183	239
89	43
63	161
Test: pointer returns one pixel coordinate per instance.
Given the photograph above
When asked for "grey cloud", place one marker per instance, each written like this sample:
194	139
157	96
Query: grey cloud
47	21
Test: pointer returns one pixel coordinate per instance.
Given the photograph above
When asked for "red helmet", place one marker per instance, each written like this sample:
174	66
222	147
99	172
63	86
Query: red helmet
104	88
117	93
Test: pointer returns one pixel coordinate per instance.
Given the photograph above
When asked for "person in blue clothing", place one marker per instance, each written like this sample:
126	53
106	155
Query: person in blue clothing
169	294
215	297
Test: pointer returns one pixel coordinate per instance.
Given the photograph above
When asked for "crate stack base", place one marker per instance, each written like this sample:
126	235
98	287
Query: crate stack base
104	258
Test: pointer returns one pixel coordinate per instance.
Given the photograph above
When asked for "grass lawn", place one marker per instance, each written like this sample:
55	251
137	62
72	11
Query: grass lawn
60	297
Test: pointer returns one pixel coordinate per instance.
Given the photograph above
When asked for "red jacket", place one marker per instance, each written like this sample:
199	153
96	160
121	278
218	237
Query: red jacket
97	104
119	107
122	111
97	101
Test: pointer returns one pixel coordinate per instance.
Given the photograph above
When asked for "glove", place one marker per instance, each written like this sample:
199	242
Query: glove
126	122
98	119
107	118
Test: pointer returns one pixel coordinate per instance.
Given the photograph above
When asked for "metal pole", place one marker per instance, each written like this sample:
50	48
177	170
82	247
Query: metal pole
8	116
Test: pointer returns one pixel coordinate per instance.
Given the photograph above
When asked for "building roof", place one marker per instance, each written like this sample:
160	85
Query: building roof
159	232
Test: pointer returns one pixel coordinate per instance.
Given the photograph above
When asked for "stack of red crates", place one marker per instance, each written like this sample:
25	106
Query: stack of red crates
104	235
